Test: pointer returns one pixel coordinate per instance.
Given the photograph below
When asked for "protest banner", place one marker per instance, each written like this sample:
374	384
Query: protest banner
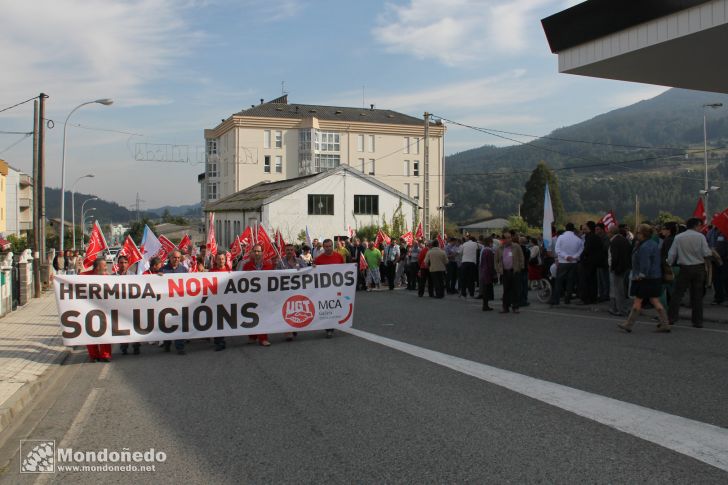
115	309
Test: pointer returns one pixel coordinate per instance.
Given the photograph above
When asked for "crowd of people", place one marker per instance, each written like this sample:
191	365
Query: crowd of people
654	266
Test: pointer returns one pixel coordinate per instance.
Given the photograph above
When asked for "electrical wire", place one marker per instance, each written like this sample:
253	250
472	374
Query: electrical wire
16	142
15	132
16	105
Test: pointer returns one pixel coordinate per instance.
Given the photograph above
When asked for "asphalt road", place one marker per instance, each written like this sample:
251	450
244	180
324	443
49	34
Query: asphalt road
348	410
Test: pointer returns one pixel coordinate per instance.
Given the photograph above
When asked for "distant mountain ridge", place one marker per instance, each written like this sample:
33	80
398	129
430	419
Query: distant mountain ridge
654	136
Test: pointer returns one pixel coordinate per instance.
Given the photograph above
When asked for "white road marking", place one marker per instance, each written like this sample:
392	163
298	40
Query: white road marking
704	442
104	371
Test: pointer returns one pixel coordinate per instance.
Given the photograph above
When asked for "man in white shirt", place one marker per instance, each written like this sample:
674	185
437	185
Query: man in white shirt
469	251
568	250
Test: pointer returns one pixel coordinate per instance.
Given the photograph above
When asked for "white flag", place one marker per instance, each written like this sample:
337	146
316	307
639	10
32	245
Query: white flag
548	219
150	247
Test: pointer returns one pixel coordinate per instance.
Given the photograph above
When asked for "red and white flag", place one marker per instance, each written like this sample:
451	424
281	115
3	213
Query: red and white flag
236	249
247	238
96	244
280	243
408	238
362	262
419	233
609	220
699	211
131	251
210	243
167	247
184	243
440	241
351	232
721	222
381	238
269	250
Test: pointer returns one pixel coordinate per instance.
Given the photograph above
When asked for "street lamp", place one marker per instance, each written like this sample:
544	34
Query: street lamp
442	217
105	102
83	225
706	191
73	206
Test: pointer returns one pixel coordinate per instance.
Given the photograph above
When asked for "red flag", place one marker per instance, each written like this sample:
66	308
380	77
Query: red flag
721	222
419	233
186	241
167	247
96	244
236	249
440	241
247	237
609	220
280	243
699	211
408	238
269	251
131	251
381	238
362	262
211	244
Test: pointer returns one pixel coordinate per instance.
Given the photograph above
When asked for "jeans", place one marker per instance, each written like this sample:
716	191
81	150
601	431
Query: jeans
618	302
391	270
412	269
438	282
565	277
452	276
604	284
511	289
470	274
424	279
690	278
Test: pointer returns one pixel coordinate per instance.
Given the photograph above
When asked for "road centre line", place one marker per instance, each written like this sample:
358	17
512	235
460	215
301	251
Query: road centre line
104	371
701	441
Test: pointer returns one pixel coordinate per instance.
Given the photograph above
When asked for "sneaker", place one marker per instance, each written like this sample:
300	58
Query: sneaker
330	332
264	343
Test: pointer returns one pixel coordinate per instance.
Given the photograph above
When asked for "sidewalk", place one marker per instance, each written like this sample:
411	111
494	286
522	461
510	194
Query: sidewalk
30	347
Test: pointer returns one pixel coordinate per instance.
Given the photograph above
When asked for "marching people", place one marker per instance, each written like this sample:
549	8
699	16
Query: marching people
452	250
488	274
412	264
373	258
646	279
219	265
291	261
436	262
306	255
509	262
328	256
468	259
423	275
620	262
603	285
174	265
400	277
568	249
122	263
591	259
99	352
391	258
689	250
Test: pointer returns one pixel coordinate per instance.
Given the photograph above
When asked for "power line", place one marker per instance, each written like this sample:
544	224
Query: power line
15	105
15	132
26	135
93	128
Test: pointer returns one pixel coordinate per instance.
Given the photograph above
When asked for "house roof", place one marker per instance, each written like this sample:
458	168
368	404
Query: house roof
255	196
497	223
279	108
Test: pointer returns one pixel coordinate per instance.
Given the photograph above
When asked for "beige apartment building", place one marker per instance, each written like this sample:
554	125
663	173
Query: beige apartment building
276	141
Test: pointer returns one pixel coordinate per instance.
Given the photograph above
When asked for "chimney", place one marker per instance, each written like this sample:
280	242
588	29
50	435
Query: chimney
371	107
261	100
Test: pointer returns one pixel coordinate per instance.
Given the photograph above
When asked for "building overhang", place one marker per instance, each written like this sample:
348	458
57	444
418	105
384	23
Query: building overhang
676	43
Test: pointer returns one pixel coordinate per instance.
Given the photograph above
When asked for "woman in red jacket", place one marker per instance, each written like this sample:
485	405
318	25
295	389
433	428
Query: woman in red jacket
257	263
99	352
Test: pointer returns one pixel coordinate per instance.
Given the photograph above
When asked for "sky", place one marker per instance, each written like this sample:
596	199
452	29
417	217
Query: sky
175	68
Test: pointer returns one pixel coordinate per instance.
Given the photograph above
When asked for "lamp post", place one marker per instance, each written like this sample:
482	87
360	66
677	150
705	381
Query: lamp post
707	189
73	207
442	217
83	225
105	102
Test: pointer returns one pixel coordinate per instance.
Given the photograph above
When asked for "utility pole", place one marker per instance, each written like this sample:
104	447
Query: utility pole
426	183
36	228
39	182
138	205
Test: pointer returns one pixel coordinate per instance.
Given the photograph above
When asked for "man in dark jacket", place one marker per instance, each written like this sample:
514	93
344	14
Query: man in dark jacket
590	261
620	262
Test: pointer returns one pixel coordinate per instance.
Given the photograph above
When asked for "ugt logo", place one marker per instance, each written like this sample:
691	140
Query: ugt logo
298	311
38	456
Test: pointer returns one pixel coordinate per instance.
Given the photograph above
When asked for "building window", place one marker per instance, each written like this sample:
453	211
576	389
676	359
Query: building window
362	166
366	204
416	189
325	161
327	141
266	139
407	189
417	146
279	139
406	144
212	191
416	168
279	164
360	143
372	166
266	164
304	141
212	147
211	169
371	144
320	205
406	168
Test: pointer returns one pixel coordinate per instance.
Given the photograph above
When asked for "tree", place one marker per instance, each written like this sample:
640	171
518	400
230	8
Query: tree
533	198
136	231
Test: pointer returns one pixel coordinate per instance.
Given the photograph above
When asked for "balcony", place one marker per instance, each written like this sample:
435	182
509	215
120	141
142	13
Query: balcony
25	226
25	202
25	179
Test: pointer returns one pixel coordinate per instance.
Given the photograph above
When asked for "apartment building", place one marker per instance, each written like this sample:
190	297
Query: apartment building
278	140
18	202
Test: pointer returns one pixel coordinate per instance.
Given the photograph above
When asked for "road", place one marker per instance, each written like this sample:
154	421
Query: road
592	405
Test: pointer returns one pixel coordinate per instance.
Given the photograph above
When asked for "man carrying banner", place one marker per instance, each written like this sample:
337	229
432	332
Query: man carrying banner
329	257
99	352
122	263
219	265
257	263
174	266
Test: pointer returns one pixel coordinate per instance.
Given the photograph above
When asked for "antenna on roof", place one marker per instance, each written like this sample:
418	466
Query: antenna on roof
363	103
283	88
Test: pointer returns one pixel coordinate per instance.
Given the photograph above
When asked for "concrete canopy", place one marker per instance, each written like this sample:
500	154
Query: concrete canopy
676	43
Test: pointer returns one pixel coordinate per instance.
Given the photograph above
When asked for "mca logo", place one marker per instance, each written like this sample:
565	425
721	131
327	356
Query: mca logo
298	311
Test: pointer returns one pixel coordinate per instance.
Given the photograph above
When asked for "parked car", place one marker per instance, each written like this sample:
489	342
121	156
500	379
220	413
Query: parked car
111	254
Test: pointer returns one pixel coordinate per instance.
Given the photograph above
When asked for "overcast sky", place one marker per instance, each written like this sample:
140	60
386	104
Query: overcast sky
175	68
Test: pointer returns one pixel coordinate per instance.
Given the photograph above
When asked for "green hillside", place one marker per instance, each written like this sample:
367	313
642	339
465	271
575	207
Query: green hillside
652	148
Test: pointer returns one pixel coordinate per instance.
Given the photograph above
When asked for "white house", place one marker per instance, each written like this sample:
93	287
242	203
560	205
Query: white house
18	202
327	203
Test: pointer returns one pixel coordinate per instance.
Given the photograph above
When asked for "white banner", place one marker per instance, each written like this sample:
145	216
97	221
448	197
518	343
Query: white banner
115	309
